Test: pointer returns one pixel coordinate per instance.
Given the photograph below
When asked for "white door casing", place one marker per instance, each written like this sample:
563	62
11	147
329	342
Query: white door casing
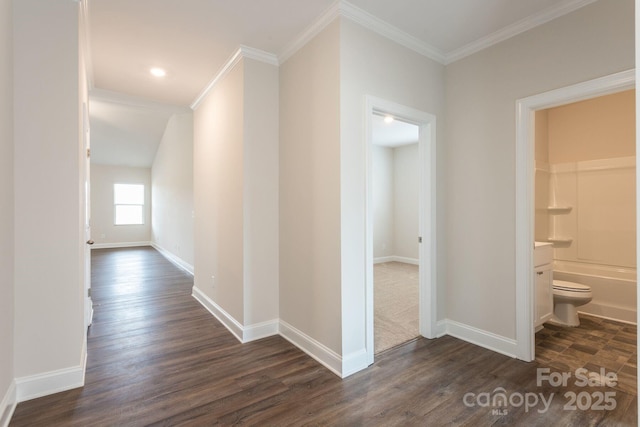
86	139
525	155
427	217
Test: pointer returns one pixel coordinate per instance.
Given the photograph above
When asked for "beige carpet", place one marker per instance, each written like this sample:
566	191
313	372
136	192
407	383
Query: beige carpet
395	304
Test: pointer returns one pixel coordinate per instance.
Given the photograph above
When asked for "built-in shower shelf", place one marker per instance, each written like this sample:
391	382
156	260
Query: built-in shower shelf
560	240
558	210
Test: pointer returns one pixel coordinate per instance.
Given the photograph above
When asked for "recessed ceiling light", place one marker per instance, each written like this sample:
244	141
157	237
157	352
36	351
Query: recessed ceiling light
158	72
388	119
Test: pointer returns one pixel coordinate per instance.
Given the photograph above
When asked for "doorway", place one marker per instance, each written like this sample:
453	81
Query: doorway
525	155
424	234
396	180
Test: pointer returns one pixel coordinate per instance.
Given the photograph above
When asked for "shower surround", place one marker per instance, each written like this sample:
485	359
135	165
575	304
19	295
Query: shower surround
587	210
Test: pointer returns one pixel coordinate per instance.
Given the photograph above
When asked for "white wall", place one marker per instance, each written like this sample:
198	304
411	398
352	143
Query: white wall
172	190
396	196
406	201
310	262
383	207
236	198
7	205
218	191
260	204
373	65
103	230
481	90
49	244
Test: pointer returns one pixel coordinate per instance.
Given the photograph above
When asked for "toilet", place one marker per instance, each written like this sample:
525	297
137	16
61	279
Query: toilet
567	297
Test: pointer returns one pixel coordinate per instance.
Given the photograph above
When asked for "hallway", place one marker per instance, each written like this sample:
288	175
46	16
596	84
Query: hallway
156	357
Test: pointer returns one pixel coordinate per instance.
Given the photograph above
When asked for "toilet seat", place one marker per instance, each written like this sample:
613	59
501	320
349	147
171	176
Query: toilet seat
563	285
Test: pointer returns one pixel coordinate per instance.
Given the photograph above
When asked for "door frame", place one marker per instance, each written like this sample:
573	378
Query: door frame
427	222
86	177
525	174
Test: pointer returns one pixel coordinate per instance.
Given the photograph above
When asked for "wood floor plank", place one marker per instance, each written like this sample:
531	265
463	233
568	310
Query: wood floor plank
157	357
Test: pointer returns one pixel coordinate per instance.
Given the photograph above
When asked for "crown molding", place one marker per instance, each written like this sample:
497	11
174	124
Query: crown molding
313	30
258	55
516	28
242	52
349	11
342	8
222	72
383	28
133	101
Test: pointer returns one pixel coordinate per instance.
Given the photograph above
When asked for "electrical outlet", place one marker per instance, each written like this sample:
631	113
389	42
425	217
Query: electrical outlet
213	281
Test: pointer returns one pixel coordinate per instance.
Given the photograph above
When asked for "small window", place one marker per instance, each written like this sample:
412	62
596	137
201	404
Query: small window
128	200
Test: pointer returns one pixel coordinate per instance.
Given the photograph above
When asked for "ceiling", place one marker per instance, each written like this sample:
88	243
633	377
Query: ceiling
394	134
126	131
193	39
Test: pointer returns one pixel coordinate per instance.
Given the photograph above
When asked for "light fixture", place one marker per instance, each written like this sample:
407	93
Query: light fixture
158	72
388	119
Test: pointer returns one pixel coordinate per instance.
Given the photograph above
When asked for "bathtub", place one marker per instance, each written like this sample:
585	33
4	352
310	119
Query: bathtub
614	288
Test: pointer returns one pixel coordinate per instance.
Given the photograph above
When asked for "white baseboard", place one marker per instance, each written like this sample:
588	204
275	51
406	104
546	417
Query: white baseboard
261	330
406	260
313	348
619	314
318	351
8	405
395	258
441	328
39	385
119	245
341	366
482	338
47	383
244	334
218	312
173	258
354	362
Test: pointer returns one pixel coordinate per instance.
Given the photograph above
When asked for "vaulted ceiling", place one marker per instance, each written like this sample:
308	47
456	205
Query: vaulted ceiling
192	39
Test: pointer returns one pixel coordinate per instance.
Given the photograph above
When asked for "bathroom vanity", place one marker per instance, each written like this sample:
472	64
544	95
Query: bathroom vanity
543	267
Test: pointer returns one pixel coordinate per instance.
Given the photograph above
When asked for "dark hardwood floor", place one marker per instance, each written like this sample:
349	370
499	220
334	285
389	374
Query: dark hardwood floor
156	357
596	343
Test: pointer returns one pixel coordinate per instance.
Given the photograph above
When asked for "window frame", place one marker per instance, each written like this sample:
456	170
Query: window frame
141	205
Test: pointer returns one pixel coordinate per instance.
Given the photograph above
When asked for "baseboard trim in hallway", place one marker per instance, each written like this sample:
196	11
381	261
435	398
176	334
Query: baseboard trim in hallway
46	383
318	351
218	312
176	260
481	338
119	245
244	334
34	386
8	405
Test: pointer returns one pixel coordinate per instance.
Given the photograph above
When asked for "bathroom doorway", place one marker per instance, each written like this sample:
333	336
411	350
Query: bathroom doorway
585	199
410	254
525	191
